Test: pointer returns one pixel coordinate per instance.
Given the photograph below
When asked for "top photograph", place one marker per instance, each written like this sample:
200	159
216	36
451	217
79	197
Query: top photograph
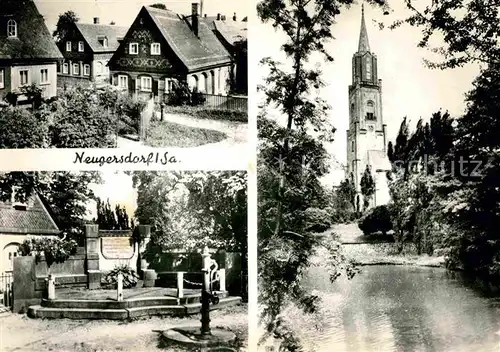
123	74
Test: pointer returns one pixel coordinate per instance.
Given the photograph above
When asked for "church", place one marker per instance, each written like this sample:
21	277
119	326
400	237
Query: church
366	136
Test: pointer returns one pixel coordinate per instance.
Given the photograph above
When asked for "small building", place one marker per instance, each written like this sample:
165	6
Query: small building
87	49
28	54
19	221
162	48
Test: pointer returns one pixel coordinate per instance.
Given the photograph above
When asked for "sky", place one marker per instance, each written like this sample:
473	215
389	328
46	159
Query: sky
123	12
408	87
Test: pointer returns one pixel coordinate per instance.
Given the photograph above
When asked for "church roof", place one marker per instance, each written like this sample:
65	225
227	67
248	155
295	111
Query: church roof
364	45
378	160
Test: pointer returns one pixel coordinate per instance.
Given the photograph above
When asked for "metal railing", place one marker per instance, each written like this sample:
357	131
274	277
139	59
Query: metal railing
6	280
223	102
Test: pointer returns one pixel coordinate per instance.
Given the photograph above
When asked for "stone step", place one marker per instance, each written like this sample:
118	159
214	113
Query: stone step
195	308
109	304
77	313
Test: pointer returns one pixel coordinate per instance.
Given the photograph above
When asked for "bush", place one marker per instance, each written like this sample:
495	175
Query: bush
377	219
317	220
21	128
130	277
54	250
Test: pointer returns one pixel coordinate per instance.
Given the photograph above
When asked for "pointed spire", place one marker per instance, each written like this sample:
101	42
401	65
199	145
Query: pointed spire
363	46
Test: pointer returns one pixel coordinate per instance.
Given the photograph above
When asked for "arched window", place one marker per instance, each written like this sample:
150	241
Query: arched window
11	28
370	110
368	68
99	67
205	85
352	146
212	80
352	110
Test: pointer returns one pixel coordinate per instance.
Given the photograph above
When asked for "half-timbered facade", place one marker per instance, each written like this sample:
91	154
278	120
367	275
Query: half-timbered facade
28	53
162	47
87	49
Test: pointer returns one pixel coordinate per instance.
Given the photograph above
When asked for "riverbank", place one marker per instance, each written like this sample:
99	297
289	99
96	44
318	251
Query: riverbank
20	333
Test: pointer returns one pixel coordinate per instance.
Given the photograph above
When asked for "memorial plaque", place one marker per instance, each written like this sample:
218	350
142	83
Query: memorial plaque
116	248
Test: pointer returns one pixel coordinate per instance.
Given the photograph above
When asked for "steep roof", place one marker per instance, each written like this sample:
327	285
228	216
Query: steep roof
35	219
232	31
194	52
93	33
33	38
363	45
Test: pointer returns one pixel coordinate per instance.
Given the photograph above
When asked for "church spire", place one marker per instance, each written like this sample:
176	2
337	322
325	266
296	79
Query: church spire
363	46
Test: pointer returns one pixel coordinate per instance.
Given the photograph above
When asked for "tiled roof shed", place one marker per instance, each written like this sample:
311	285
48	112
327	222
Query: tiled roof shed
33	219
94	32
195	52
33	38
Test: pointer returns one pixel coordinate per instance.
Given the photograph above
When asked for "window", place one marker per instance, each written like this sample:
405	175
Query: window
65	68
122	81
99	67
76	69
146	84
80	47
11	29
44	76
352	146
23	77
2	79
134	48
169	85
370	110
86	70
68	46
105	42
155	49
368	68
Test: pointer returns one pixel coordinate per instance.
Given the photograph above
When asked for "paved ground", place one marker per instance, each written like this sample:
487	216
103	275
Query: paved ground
20	333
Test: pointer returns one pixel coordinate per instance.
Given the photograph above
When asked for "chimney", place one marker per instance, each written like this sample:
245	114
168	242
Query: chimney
194	17
96	20
218	17
234	17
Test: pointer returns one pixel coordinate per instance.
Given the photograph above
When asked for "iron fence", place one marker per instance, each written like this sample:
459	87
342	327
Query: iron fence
6	280
223	102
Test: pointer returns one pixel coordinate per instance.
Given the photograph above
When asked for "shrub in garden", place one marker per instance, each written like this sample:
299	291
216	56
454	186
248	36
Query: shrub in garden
130	277
317	220
53	249
21	128
377	219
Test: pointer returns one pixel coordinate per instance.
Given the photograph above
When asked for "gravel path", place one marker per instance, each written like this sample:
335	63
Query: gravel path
20	333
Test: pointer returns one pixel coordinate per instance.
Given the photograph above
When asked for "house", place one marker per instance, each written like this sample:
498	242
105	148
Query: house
28	53
87	49
162	48
18	221
233	35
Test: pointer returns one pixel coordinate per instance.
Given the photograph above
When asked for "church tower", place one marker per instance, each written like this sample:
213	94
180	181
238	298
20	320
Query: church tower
366	137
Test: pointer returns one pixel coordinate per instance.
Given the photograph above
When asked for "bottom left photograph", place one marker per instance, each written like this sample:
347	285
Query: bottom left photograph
125	260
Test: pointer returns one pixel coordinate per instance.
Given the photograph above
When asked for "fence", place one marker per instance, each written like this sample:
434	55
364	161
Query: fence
6	280
223	102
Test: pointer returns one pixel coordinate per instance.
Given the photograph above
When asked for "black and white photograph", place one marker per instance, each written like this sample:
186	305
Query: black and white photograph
125	74
378	175
123	261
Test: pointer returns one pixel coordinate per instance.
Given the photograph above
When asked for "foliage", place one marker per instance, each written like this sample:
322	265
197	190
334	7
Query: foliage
159	6
66	194
22	129
377	219
342	205
79	120
209	113
291	160
64	24
181	95
367	185
34	94
109	220
316	220
130	277
53	249
469	29
171	134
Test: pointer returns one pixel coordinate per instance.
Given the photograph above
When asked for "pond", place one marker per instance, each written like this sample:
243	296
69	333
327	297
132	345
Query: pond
400	308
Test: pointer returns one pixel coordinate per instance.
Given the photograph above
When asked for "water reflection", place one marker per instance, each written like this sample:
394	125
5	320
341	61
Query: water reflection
397	308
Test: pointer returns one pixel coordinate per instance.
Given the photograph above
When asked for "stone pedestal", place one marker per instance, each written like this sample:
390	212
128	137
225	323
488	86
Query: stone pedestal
149	278
92	258
94	279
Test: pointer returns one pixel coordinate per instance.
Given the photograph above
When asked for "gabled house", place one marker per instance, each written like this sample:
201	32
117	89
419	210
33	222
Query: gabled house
19	221
87	49
162	48
28	53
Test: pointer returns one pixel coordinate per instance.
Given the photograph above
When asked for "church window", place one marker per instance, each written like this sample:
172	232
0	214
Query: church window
370	110
352	146
11	29
368	68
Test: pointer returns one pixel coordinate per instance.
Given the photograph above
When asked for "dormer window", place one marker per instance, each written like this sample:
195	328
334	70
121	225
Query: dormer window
155	49
134	48
68	46
11	29
80	46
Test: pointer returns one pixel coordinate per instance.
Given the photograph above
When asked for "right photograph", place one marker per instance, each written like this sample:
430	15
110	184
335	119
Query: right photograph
378	175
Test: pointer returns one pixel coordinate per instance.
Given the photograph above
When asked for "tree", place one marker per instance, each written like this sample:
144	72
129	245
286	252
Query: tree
22	129
159	6
64	23
291	161
53	250
367	185
469	28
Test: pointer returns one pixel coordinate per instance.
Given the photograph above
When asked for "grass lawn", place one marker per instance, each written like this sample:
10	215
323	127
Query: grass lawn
208	113
170	134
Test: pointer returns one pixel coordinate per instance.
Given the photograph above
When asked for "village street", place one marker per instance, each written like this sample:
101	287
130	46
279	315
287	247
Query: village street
20	333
